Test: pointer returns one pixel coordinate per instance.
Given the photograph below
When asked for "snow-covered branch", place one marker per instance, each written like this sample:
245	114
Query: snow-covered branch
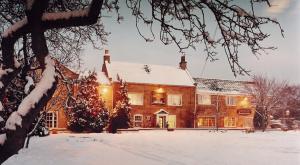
46	83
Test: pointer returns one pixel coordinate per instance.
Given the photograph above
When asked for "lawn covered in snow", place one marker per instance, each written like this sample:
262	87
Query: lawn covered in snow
180	147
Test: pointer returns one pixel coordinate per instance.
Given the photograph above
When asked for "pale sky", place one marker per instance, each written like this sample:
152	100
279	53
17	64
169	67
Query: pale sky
125	44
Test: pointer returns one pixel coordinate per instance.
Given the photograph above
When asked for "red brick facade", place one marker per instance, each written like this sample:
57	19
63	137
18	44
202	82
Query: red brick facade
219	114
159	115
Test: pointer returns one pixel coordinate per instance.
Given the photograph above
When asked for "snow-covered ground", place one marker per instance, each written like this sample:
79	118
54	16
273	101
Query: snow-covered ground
162	147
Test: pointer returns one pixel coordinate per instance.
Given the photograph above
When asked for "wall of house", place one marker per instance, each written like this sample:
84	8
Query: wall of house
239	112
184	113
57	103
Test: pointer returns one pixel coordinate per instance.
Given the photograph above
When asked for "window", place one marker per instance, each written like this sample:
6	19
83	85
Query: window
158	98
51	119
136	98
230	100
138	120
230	122
204	99
174	99
206	122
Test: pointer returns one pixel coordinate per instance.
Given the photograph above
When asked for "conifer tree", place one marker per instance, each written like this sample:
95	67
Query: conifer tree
89	112
120	117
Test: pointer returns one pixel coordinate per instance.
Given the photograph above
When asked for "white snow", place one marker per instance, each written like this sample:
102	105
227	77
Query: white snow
17	64
1	106
65	15
2	138
184	147
14	27
158	74
28	84
48	78
1	119
102	79
14	120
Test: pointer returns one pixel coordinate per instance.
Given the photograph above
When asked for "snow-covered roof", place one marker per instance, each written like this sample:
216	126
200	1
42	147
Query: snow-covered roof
216	86
149	74
102	79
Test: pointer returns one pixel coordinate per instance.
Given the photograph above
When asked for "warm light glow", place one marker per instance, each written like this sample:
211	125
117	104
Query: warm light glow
245	103
160	90
103	89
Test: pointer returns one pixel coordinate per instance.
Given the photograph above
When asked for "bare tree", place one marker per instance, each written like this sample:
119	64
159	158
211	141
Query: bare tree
36	22
26	25
269	96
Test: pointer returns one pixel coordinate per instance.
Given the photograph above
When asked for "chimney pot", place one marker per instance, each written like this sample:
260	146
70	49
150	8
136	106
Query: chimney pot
183	63
106	56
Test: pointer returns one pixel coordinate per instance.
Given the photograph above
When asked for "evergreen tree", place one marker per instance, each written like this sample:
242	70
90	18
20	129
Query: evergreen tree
89	112
120	117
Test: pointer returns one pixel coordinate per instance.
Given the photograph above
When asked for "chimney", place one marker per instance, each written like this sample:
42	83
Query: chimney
106	56
183	63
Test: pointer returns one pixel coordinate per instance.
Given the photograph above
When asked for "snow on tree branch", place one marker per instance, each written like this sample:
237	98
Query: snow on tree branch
16	26
29	102
2	138
46	83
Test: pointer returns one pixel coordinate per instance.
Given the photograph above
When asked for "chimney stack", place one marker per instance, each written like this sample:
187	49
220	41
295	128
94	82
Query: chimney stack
106	56
183	63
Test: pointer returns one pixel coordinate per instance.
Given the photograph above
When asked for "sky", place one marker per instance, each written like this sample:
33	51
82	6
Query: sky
125	44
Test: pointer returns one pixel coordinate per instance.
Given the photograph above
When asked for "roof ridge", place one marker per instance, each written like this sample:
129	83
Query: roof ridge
126	62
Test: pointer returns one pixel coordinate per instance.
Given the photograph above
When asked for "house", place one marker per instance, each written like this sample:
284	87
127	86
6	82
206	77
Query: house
55	109
160	95
165	96
223	104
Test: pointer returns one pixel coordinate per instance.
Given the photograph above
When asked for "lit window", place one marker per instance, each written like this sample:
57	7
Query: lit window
51	119
230	100
174	99
136	98
206	122
158	97
138	120
230	122
204	99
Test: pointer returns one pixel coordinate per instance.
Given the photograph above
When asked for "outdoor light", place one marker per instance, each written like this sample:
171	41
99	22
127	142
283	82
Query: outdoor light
244	103
159	90
287	112
104	90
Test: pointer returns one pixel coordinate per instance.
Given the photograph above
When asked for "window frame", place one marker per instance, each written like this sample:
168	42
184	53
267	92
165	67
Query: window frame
138	121
231	122
231	101
53	123
203	103
174	94
136	93
163	96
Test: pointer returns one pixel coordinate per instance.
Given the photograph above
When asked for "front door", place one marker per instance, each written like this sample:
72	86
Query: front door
162	121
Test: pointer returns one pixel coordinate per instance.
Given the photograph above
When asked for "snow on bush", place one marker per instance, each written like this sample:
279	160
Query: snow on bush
2	138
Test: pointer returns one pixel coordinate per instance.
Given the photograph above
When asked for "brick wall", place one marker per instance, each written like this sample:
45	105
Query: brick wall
226	112
184	113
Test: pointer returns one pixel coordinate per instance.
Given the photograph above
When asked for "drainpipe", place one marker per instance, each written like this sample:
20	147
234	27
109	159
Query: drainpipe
195	104
217	112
